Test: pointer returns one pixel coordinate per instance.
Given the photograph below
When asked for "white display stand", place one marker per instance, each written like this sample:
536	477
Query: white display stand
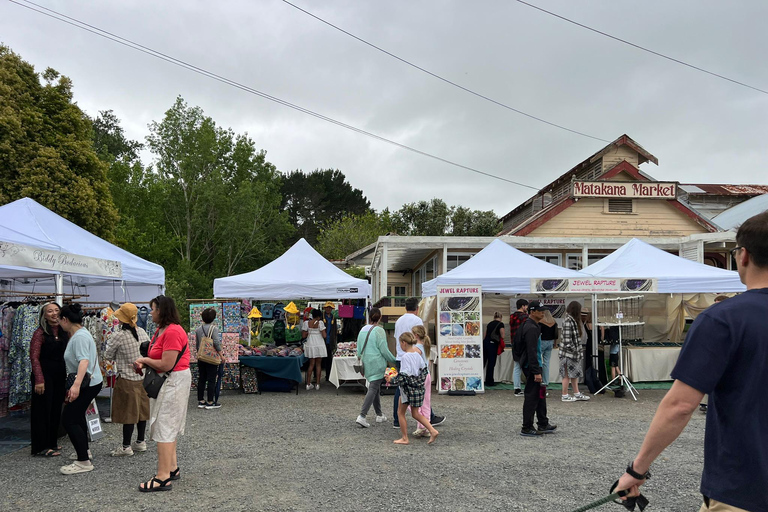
614	310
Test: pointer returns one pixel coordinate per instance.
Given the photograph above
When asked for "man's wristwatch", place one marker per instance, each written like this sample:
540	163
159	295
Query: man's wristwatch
634	474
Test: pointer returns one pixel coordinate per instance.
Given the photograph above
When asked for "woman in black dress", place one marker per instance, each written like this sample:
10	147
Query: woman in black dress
494	334
49	374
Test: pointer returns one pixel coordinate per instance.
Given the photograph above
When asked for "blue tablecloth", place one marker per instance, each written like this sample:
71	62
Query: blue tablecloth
288	368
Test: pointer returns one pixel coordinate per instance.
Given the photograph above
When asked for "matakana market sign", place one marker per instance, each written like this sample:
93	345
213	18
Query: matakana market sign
629	190
19	255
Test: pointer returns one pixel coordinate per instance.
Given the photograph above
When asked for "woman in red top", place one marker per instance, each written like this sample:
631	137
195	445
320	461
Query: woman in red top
168	352
46	351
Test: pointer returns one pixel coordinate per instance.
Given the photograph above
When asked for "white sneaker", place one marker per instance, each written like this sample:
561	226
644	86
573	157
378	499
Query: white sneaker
381	419
73	456
75	468
139	446
317	387
310	386
362	422
122	451
567	398
581	398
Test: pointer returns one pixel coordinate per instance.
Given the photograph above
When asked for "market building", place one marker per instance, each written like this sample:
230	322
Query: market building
574	221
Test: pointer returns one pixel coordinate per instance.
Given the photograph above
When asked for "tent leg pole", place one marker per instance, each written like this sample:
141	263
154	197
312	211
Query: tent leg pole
60	289
595	330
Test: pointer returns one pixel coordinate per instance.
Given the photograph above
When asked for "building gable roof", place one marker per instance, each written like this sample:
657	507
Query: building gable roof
624	140
557	207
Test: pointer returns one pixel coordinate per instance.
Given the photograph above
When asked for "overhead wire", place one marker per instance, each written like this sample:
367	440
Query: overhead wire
178	62
443	79
658	54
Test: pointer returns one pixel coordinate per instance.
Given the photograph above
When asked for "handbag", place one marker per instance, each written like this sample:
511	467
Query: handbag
71	377
360	366
154	381
207	351
494	337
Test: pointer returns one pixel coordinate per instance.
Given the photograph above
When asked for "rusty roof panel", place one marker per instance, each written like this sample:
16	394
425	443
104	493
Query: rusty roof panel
728	190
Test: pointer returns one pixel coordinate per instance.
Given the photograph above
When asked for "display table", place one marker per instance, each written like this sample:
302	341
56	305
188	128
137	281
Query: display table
649	364
284	368
505	367
343	373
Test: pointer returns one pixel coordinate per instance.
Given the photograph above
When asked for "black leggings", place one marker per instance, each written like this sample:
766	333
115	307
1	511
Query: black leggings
73	419
128	433
207	376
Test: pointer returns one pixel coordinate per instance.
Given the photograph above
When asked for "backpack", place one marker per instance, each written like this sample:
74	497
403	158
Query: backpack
266	337
278	313
278	332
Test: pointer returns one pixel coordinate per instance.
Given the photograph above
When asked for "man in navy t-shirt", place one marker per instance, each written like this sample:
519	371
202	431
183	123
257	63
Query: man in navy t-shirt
725	355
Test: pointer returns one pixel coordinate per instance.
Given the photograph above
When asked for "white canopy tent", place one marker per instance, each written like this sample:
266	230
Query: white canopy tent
499	268
637	259
48	242
300	273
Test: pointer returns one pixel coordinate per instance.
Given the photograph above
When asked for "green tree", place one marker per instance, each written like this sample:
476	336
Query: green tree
424	218
351	233
435	218
220	196
46	152
319	198
466	222
134	189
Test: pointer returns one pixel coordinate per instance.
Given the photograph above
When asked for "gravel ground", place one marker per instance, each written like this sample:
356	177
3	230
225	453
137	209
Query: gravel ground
280	451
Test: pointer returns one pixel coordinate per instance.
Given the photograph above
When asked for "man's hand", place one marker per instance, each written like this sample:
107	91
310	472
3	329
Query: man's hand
628	482
537	378
39	389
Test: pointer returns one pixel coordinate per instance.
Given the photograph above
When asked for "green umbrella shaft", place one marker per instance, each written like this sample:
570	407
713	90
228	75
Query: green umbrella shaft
601	501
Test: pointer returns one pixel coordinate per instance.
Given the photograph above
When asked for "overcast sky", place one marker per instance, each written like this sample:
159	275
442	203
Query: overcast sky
701	128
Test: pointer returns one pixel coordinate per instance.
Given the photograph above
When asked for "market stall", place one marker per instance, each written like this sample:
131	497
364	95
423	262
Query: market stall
45	257
501	271
641	268
301	273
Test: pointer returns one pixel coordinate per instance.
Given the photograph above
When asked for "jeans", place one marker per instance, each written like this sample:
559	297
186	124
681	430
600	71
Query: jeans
534	403
208	373
490	351
372	397
546	354
516	375
73	419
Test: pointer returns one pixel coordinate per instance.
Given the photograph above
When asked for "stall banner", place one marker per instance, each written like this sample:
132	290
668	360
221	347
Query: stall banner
20	255
460	338
593	285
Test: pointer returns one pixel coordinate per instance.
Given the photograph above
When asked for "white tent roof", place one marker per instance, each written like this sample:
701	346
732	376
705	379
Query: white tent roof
637	259
499	268
300	273
29	223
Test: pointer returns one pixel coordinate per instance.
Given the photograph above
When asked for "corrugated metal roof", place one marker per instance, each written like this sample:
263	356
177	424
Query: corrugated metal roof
725	190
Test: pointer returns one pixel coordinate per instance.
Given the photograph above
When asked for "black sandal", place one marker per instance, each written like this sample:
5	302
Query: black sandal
175	474
165	485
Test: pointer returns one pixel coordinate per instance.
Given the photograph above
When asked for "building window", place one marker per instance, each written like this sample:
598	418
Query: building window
621	206
455	259
573	260
399	294
549	258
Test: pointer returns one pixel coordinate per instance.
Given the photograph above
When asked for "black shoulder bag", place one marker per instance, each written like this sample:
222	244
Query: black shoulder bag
153	381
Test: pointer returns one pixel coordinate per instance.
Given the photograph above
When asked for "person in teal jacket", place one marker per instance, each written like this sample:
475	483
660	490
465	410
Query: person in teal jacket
372	349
